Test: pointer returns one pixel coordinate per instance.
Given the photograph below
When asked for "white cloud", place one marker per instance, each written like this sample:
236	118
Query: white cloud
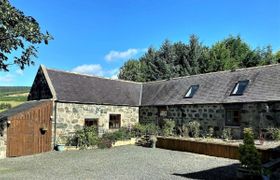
92	69
19	72
115	55
96	69
6	79
114	73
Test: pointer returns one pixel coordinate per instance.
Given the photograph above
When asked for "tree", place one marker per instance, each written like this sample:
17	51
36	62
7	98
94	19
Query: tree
131	70
248	154
181	59
277	56
18	32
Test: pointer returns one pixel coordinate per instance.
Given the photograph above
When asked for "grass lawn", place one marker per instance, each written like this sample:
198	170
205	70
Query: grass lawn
13	103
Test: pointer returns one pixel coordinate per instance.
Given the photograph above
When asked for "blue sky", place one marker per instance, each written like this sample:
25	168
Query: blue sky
97	37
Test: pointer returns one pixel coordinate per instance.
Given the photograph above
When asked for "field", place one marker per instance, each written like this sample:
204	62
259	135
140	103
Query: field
11	96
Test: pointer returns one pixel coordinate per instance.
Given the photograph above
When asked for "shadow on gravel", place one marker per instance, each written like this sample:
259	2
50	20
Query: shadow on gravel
225	172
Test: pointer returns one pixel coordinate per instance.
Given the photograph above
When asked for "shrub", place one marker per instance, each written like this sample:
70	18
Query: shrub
194	128
151	129
210	132
275	133
86	137
248	155
168	127
226	134
144	129
104	143
185	130
139	129
5	106
111	137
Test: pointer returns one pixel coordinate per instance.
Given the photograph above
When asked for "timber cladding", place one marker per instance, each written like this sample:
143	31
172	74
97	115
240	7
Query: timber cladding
212	149
30	132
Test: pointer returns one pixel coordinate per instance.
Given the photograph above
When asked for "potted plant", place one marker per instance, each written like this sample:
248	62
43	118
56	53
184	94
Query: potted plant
60	144
153	140
249	157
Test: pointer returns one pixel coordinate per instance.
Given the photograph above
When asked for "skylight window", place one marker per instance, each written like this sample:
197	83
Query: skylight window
191	91
239	87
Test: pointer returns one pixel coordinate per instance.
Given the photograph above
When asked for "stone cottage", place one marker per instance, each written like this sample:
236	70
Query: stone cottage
233	99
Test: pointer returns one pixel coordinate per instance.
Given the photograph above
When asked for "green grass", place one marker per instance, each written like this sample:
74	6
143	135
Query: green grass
13	103
13	95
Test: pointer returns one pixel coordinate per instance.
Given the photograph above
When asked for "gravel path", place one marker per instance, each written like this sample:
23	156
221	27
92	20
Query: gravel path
126	162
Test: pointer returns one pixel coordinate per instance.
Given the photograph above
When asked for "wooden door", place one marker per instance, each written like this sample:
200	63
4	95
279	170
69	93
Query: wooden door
26	133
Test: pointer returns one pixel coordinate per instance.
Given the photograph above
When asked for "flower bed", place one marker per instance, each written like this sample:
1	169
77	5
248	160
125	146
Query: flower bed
212	147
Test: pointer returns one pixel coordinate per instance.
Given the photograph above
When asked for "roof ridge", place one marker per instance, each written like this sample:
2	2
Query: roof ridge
216	72
94	76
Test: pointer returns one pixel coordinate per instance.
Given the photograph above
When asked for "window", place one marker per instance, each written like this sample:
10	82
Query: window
162	111
91	122
239	87
191	91
233	117
114	121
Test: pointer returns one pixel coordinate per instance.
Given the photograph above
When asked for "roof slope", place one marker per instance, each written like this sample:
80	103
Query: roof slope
264	85
72	87
20	108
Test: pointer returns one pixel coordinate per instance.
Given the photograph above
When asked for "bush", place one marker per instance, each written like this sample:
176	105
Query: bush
226	134
210	132
86	137
5	106
185	130
139	129
275	133
168	127
194	128
151	129
104	143
111	137
248	155
145	129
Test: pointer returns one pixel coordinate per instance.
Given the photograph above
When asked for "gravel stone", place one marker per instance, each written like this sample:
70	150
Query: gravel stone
125	162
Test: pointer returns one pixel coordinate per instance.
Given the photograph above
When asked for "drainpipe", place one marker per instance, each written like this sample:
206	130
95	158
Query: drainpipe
55	114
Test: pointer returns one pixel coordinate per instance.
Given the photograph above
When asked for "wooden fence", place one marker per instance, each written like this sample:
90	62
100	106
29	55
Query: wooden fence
209	148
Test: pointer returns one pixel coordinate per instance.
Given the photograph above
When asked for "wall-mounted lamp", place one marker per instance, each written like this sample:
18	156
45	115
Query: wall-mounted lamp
8	122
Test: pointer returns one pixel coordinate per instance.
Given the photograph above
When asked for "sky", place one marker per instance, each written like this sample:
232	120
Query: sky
97	37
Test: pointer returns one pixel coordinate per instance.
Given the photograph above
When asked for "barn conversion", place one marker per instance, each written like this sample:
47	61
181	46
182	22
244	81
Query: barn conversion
62	102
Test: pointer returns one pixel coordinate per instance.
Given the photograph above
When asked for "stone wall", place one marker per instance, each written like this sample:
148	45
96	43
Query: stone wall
256	115
207	115
71	117
3	140
260	115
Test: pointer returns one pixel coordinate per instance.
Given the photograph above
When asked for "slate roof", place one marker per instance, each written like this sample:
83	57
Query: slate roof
72	87
20	108
216	87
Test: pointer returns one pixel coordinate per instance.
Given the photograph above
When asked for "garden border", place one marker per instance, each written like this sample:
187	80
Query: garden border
209	148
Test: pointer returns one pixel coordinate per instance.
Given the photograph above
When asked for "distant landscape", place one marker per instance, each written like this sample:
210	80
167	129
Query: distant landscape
11	96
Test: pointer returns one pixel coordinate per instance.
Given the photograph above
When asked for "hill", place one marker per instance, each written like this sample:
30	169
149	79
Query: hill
11	96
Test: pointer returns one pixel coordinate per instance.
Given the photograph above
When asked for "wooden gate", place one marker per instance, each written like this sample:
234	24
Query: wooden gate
30	132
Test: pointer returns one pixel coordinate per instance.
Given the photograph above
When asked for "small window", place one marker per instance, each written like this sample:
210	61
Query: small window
191	91
233	118
162	111
91	122
115	121
240	87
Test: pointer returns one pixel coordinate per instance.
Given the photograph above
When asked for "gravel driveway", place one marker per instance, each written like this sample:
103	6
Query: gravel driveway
126	162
